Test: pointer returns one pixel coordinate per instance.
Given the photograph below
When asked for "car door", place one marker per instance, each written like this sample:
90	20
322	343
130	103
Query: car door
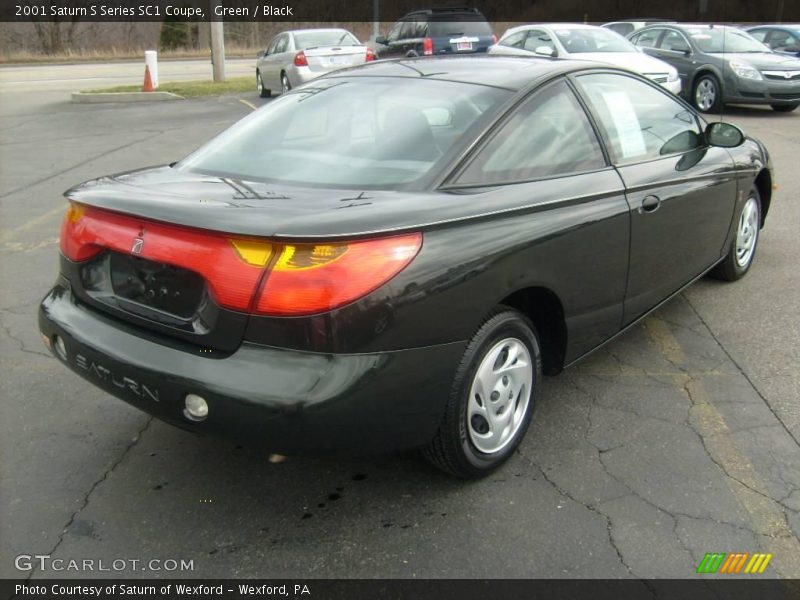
273	62
681	192
673	48
566	217
396	43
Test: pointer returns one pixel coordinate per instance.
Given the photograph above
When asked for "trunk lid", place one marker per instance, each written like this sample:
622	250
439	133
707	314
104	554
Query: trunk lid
327	58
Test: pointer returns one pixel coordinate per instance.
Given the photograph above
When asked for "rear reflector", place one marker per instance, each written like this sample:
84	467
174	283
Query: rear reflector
246	274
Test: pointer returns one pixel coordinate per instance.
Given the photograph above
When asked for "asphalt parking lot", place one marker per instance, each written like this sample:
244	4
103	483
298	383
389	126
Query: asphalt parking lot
677	439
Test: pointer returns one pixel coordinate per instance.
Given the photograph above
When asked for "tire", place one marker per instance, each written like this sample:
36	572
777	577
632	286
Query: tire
467	444
286	85
784	107
707	94
737	263
262	91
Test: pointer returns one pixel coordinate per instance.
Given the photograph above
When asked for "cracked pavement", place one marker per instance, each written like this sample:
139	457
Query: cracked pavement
676	439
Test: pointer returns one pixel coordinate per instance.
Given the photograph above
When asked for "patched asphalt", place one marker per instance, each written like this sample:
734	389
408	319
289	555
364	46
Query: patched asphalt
676	439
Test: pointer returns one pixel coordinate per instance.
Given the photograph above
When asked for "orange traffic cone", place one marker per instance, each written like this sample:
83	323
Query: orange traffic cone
148	81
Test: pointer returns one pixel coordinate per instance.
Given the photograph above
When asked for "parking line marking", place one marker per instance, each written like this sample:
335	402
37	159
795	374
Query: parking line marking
246	103
749	489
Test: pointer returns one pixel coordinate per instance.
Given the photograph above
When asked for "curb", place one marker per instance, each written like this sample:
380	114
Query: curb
87	98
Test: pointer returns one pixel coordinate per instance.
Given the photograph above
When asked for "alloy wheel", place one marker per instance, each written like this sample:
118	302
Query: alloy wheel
705	95
499	395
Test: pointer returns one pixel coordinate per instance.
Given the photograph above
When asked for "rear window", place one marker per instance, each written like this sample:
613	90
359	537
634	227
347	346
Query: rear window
470	25
313	39
373	132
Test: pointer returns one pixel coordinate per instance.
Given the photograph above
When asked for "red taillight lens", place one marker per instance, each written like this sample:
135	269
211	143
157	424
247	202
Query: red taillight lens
300	59
370	55
427	46
299	279
314	278
232	268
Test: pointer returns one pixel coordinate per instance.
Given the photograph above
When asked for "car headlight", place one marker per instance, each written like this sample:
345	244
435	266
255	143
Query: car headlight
673	75
744	70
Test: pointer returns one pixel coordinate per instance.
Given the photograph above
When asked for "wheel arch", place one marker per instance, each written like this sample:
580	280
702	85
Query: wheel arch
545	310
707	70
763	183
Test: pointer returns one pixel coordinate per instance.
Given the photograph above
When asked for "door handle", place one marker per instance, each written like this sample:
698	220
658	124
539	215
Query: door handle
650	204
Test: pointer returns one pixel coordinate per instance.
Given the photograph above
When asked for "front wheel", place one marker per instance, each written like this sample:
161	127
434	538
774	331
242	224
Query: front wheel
784	107
707	96
740	256
262	91
492	397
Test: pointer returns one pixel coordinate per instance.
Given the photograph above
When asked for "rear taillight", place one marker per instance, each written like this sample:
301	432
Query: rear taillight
370	55
427	46
246	274
300	59
313	278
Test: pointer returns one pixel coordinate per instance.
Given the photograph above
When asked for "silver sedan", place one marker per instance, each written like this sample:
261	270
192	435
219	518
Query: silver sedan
294	57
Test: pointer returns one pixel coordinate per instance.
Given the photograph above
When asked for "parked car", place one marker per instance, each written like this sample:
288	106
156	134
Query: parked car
625	28
419	242
295	57
783	39
585	42
457	30
720	64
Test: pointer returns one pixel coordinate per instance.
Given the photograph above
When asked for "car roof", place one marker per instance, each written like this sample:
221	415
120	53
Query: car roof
790	26
550	26
509	72
315	29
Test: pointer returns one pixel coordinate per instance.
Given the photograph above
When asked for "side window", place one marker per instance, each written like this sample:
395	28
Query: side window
538	38
394	32
548	135
272	44
408	30
639	121
515	40
648	39
674	41
282	44
780	40
760	34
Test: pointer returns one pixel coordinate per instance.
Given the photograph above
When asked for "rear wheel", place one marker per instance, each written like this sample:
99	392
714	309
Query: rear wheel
262	91
784	107
492	397
743	247
285	83
707	95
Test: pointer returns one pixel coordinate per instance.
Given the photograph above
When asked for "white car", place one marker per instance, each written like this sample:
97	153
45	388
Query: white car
295	57
586	42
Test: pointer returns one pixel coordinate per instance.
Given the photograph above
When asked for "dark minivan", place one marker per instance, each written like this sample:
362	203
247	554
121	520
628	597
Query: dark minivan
457	30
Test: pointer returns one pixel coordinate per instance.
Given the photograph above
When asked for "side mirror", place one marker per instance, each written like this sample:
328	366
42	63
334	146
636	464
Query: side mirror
724	135
381	40
544	51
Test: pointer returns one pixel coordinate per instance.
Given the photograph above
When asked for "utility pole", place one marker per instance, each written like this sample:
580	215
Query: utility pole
217	45
376	25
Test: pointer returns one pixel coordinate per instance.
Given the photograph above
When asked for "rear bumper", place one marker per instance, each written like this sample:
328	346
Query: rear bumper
282	400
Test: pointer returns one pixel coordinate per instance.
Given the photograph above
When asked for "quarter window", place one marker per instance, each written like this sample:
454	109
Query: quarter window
639	121
549	135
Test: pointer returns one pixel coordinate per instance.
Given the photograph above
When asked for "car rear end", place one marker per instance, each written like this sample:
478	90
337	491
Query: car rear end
457	33
321	51
239	335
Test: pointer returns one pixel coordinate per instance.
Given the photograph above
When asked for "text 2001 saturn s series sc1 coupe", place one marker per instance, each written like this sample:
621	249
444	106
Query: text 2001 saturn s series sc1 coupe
391	256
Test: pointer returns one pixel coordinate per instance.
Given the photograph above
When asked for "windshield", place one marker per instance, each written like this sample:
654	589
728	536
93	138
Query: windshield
467	27
375	132
725	39
576	41
313	39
